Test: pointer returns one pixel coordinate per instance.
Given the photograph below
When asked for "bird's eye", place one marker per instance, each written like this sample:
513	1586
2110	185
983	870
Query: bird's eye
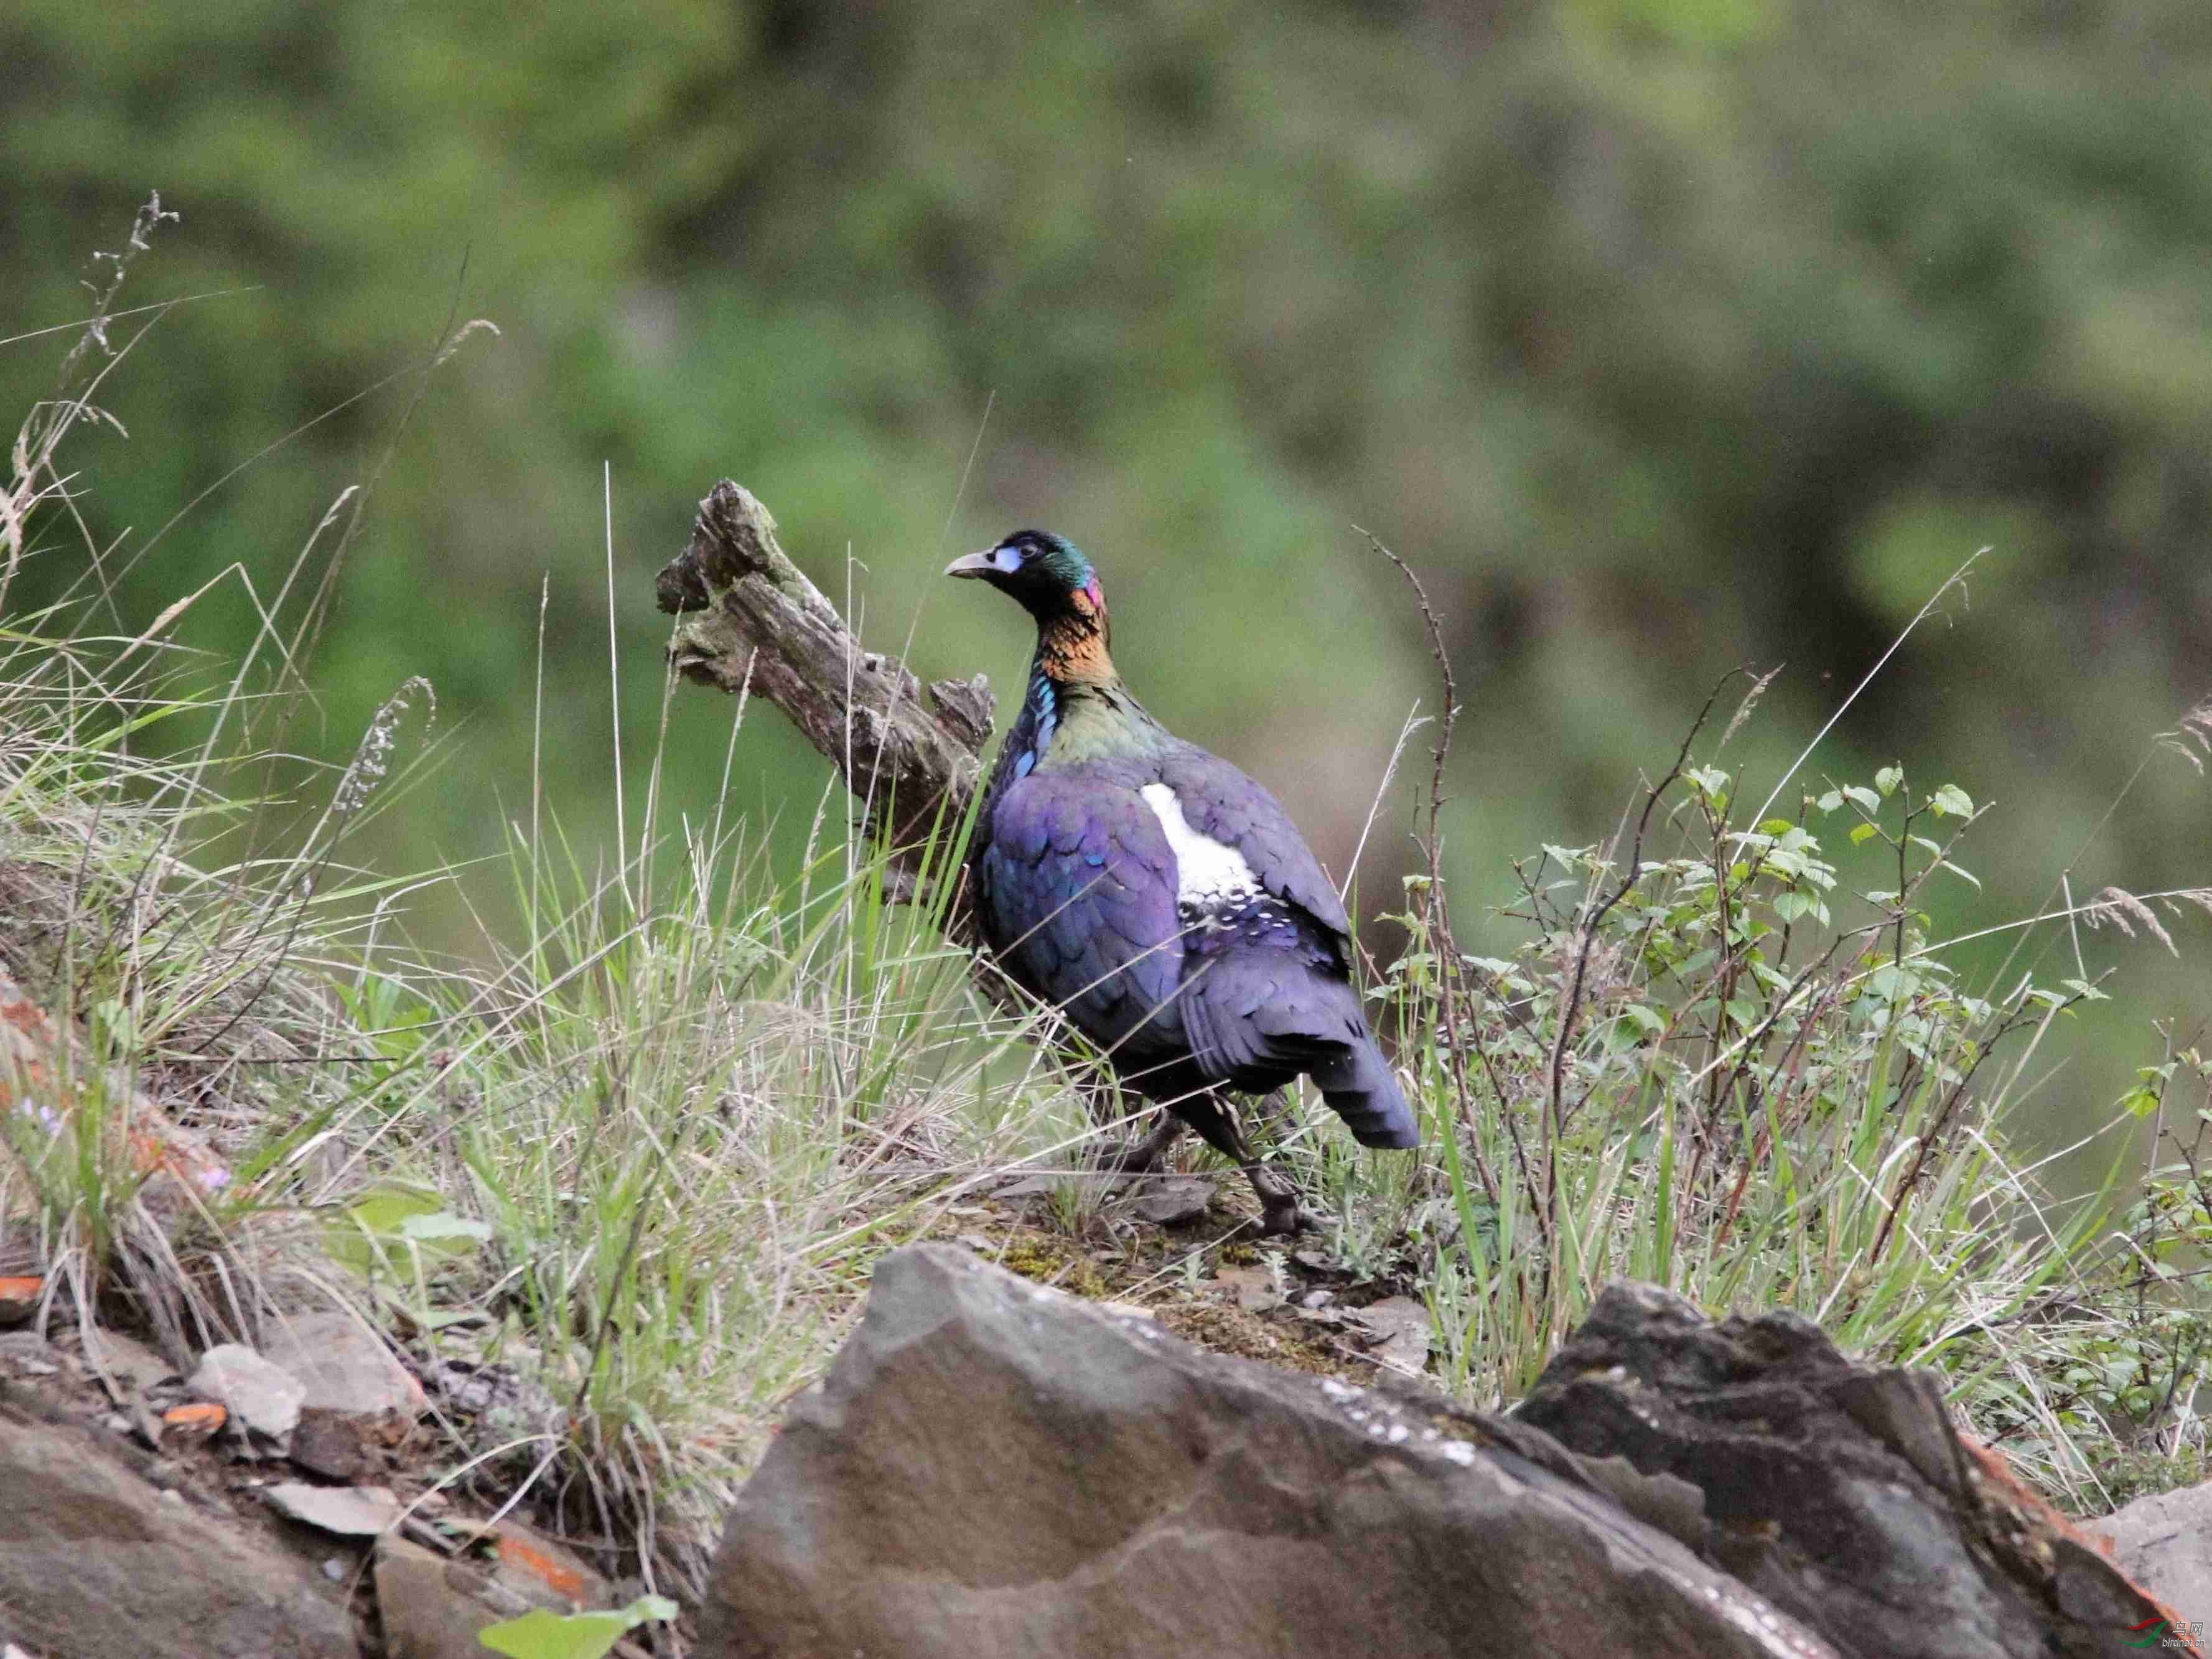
1008	559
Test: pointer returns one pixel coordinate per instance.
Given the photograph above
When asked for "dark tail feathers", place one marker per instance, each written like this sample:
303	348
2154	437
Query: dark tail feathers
1363	1093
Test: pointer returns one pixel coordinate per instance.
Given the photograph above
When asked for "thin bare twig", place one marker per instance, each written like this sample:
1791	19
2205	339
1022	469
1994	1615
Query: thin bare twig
1932	1138
1570	1010
1434	908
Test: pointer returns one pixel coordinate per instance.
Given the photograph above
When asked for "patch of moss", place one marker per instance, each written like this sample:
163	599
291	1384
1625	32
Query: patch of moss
1222	1327
1197	1314
1056	1265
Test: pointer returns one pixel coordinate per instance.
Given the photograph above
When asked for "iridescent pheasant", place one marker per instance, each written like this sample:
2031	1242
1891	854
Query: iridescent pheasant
1161	899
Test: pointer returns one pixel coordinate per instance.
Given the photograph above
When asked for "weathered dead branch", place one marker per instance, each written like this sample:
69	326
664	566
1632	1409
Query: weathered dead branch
750	616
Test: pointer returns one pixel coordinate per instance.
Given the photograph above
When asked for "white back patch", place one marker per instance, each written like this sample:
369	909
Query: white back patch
1207	872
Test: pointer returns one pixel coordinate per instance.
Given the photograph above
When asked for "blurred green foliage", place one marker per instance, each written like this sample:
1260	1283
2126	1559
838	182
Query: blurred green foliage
1661	335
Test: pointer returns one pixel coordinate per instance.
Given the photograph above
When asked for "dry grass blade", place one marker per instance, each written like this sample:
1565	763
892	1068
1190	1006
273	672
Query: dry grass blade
2124	910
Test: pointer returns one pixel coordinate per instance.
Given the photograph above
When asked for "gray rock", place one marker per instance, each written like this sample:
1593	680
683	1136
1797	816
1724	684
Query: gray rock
348	1511
26	1354
341	1365
995	1470
1256	1289
19	1299
93	1563
122	1362
261	1395
1841	1493
340	1445
1401	1329
543	1570
432	1605
2164	1542
1173	1202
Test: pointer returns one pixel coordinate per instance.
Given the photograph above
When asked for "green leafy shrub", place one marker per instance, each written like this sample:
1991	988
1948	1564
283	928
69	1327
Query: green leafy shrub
1752	1070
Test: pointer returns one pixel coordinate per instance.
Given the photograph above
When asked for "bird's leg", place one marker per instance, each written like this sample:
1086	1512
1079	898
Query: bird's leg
1216	1121
1137	1157
1272	1109
1280	1211
1105	1098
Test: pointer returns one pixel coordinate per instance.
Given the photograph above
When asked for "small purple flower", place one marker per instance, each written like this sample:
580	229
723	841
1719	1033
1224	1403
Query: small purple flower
47	1118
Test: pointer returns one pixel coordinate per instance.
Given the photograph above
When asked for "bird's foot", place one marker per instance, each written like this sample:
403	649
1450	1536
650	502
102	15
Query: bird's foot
1280	1212
1138	1156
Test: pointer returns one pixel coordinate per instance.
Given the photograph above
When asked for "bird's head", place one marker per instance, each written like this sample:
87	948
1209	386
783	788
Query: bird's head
1045	573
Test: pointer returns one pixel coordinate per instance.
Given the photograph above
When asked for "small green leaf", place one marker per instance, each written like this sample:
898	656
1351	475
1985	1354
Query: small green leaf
1646	1019
379	1213
540	1634
1860	796
1890	982
443	1226
1831	801
401	1214
1863	833
1888	778
1710	780
1950	799
386	1209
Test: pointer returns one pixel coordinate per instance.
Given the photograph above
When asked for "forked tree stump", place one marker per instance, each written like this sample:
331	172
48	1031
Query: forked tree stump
750	619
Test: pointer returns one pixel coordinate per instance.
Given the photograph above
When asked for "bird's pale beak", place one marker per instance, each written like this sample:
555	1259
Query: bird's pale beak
973	564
